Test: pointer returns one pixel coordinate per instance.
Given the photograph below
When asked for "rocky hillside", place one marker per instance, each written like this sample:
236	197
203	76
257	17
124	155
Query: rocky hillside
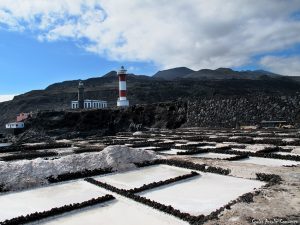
243	110
142	90
221	111
109	121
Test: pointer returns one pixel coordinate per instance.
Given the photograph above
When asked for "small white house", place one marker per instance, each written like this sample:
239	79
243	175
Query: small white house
90	104
15	125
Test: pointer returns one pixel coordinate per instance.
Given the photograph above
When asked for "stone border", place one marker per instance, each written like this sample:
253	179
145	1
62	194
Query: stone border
165	182
167	145
56	211
237	157
159	149
242	140
17	148
228	150
271	179
29	156
2	188
271	150
278	156
78	175
200	151
193	146
85	150
193	152
195	220
48	146
143	200
186	165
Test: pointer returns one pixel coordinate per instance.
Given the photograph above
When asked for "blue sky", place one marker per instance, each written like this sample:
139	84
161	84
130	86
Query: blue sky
43	42
27	64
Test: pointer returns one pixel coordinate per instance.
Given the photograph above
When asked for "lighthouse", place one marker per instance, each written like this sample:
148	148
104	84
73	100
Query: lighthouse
82	103
122	100
80	95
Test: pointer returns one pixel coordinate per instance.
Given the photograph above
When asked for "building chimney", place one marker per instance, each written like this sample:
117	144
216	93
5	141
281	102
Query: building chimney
122	100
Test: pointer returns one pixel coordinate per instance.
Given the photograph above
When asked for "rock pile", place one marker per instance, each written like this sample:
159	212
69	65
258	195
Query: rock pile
31	136
29	173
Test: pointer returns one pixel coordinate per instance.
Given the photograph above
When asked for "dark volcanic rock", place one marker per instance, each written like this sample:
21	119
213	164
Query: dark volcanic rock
110	121
31	136
217	111
245	110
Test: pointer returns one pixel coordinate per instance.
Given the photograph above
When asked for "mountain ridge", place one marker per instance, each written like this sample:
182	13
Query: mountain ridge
217	74
173	73
142	90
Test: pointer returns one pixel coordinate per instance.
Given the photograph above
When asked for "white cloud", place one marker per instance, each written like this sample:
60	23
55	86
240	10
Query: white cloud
4	98
282	65
193	33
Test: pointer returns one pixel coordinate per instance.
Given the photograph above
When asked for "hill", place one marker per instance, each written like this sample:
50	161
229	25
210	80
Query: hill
226	73
142	90
218	74
172	74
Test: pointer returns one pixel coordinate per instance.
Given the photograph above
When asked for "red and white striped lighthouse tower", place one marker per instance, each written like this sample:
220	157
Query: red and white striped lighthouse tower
122	100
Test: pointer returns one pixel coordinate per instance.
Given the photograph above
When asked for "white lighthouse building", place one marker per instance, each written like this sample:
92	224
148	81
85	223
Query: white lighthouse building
82	103
122	100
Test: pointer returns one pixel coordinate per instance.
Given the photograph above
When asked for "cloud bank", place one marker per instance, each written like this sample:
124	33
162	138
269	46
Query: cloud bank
193	33
283	65
4	98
